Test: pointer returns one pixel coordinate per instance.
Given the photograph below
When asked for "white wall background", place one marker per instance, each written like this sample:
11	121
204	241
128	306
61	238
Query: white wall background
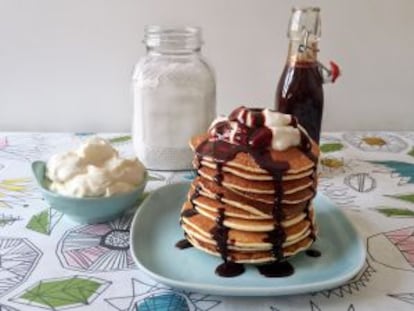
65	65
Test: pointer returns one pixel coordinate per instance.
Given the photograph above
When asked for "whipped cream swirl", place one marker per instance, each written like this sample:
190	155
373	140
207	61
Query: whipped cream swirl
92	170
258	128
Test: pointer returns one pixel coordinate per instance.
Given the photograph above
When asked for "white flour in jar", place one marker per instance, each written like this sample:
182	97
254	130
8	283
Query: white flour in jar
173	100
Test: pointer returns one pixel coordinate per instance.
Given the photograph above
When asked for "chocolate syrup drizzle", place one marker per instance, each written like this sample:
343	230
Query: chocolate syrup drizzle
219	197
193	211
220	235
189	213
218	178
254	140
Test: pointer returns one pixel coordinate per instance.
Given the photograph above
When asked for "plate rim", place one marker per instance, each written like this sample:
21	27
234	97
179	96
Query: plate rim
248	291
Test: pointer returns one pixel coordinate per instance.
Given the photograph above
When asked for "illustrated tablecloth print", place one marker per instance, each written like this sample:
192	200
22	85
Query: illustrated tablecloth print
48	262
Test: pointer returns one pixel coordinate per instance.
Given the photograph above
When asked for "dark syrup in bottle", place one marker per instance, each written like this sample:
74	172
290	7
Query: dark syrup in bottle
300	93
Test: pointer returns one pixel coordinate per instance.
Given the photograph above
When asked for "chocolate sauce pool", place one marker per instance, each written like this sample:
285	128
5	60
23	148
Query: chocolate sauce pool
183	244
276	269
229	269
313	253
254	141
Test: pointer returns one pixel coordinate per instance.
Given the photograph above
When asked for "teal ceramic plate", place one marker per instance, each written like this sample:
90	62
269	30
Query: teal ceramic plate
155	230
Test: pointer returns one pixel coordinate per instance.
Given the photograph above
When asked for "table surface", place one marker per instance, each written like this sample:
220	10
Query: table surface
48	262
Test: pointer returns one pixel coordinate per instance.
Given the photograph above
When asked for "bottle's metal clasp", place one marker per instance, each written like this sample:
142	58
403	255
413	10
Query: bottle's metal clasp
304	45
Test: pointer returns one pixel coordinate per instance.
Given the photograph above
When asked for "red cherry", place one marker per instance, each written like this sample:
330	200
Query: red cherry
257	117
261	138
239	114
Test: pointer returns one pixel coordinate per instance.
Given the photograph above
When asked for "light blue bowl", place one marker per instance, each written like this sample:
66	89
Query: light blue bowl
87	210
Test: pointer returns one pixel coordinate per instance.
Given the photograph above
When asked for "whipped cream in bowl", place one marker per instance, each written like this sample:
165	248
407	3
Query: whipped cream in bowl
92	183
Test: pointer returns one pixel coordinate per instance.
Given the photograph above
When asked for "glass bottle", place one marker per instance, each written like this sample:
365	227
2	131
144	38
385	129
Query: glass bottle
299	91
174	97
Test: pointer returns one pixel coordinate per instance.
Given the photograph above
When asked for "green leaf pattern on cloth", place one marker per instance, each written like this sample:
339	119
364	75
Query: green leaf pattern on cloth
62	293
395	212
403	197
44	221
411	152
331	147
120	139
40	222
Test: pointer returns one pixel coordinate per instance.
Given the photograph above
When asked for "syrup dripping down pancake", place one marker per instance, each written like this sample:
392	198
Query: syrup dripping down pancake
261	187
258	225
251	175
240	210
242	238
258	257
262	203
297	160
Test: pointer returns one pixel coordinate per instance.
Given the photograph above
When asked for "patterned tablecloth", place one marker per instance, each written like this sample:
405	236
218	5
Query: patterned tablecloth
48	262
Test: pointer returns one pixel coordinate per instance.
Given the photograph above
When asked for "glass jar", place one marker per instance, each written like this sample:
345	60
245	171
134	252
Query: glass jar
174	97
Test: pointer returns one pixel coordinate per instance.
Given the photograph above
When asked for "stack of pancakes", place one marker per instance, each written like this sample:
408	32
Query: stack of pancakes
240	211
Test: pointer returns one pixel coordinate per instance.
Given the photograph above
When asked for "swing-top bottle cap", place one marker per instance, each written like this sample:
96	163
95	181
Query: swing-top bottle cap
305	22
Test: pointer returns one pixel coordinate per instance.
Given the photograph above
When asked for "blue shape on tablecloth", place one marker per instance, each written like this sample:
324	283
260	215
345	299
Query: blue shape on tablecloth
164	302
403	169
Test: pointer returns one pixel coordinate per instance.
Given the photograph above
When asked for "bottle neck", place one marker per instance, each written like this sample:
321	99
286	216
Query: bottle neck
304	33
300	52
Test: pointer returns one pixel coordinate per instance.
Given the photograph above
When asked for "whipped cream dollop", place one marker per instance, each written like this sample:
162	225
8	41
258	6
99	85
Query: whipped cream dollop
94	169
258	128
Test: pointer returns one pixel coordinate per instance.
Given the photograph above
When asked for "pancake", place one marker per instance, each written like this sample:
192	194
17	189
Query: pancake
205	226
258	257
298	161
251	175
293	198
207	202
261	187
264	225
262	203
193	233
